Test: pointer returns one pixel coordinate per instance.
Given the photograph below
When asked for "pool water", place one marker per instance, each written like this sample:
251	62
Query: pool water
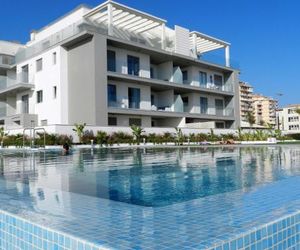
154	177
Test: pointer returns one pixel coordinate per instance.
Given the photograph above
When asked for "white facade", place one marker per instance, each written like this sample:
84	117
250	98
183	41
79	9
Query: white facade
92	67
288	120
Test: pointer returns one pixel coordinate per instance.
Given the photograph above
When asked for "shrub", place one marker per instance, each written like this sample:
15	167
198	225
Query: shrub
102	138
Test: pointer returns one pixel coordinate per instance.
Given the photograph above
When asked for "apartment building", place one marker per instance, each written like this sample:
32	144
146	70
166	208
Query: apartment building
246	102
288	120
264	109
116	66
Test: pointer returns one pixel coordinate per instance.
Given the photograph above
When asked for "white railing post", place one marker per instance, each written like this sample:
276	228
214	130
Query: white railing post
110	19
163	36
227	56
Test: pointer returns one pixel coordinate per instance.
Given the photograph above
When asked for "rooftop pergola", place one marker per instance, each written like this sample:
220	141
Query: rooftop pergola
112	14
203	43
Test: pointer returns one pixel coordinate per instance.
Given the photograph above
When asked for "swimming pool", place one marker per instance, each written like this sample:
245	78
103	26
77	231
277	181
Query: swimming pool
142	198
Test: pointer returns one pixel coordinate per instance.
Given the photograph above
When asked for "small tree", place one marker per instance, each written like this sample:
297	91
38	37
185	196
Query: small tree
2	135
179	136
79	130
137	133
250	118
102	138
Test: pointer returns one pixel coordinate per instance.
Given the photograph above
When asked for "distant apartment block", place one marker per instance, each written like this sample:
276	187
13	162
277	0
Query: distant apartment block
288	120
246	101
264	109
116	66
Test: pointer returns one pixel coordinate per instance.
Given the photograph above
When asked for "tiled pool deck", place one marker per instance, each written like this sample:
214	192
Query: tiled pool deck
265	217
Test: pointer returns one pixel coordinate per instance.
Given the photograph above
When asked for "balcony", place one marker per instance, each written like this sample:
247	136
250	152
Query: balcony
9	86
174	110
166	84
6	61
17	121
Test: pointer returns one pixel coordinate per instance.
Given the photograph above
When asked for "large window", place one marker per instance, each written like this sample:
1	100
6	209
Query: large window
39	96
39	65
218	81
112	121
112	95
134	98
203	105
219	104
133	65
184	76
135	121
111	60
202	79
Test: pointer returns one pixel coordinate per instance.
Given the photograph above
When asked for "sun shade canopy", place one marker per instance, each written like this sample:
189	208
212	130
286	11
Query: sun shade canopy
120	16
204	43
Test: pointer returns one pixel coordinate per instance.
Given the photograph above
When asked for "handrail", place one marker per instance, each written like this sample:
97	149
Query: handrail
32	135
24	130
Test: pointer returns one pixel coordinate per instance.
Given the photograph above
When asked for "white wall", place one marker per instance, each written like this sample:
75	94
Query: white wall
45	80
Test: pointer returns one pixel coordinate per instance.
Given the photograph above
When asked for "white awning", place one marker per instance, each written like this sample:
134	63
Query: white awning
204	43
120	16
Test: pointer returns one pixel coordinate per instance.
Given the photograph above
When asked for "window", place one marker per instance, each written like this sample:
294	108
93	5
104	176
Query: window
111	95
203	105
39	65
54	58
111	60
25	104
135	121
133	65
219	104
220	125
39	96
112	121
202	79
151	72
218	80
54	92
184	76
44	122
185	100
152	100
134	98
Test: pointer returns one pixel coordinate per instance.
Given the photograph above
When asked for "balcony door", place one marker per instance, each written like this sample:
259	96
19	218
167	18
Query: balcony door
219	105
25	104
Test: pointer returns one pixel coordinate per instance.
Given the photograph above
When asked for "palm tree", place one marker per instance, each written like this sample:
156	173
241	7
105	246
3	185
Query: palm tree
250	118
179	136
79	130
137	133
102	138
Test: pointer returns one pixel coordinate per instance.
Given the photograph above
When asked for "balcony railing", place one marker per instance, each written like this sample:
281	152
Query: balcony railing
6	82
3	111
50	41
7	60
228	112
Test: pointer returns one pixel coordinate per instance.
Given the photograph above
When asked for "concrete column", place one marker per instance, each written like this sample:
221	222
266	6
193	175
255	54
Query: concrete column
227	56
195	44
110	19
163	36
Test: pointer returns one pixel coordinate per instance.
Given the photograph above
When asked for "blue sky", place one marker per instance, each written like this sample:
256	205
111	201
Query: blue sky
264	34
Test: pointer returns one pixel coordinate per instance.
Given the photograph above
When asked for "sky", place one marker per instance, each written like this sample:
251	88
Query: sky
264	34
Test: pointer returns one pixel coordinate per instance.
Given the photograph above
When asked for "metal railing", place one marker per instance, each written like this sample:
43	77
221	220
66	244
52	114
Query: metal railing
32	136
